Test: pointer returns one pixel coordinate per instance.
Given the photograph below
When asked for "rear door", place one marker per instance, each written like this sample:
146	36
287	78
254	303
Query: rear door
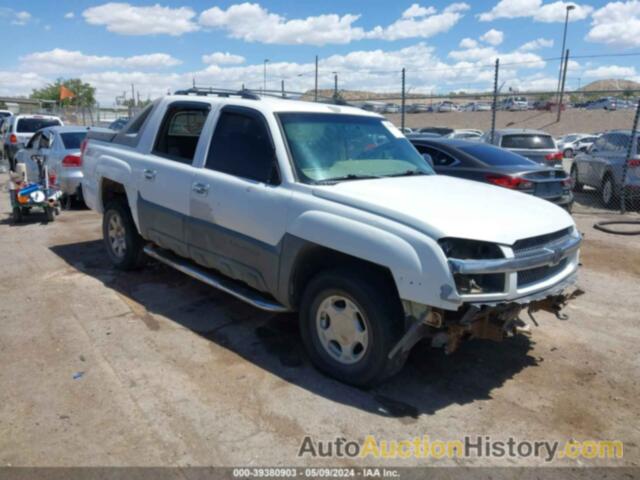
238	208
164	176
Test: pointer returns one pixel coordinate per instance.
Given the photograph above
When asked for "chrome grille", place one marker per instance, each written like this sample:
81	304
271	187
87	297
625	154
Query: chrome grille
526	245
534	275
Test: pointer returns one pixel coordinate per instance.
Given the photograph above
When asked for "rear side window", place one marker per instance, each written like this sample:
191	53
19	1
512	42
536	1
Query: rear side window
530	142
180	131
138	121
439	158
496	156
30	125
241	146
72	140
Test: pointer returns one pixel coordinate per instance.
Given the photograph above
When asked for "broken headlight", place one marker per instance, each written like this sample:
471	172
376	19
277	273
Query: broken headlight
463	249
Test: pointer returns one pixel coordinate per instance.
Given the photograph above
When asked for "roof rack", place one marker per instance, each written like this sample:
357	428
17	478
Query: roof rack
218	92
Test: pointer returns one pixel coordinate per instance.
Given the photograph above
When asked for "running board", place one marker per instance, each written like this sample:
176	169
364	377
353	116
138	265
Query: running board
236	289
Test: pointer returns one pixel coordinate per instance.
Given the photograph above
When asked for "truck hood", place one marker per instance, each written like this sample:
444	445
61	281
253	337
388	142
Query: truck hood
442	206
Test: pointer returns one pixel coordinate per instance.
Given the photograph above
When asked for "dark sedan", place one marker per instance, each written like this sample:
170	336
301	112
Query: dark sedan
489	164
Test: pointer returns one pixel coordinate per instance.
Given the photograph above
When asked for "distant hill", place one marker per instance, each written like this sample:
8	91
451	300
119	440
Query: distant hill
602	85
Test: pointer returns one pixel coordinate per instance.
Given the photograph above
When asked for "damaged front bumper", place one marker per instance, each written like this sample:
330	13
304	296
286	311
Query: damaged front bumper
481	320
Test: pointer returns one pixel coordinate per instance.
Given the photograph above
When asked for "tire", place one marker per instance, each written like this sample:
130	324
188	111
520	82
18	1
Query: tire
49	213
577	186
608	195
121	238
379	324
16	215
568	153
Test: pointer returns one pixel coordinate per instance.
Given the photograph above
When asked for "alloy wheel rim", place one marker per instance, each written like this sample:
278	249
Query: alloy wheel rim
342	329
607	191
116	234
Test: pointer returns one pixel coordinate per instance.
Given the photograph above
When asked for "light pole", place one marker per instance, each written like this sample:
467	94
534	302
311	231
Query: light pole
564	42
264	75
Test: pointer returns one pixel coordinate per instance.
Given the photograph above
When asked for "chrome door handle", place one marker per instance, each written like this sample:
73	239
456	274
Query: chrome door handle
200	188
149	174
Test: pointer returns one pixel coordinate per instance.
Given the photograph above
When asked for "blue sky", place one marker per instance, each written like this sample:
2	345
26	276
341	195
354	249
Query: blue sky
443	45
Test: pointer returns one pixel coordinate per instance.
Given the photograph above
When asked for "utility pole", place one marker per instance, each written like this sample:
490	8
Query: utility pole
403	103
564	41
315	95
564	79
133	96
494	106
282	87
335	84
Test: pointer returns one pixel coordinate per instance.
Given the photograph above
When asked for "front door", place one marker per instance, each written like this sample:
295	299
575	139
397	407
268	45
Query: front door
238	209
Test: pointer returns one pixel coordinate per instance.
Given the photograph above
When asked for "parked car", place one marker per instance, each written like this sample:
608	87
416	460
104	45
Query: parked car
575	142
602	167
4	126
419	108
489	164
606	103
21	128
477	107
445	106
466	134
331	212
534	144
442	131
391	108
515	104
118	124
59	147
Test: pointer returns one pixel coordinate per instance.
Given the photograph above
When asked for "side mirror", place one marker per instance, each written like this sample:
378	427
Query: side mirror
428	159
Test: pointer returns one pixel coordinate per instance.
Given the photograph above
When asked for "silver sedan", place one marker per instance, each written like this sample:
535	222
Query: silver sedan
59	148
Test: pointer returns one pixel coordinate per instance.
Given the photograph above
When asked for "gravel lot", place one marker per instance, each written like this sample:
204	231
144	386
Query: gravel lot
171	372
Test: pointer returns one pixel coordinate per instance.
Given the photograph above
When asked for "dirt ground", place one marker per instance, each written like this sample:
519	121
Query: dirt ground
572	120
152	368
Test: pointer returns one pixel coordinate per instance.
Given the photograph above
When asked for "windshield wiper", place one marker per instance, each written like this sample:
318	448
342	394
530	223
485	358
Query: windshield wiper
351	176
408	173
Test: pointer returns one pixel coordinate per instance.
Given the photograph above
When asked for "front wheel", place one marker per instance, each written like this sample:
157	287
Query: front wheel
577	186
349	323
121	238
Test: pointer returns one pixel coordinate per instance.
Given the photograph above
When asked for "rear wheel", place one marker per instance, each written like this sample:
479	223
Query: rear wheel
608	194
568	153
349	324
16	215
121	238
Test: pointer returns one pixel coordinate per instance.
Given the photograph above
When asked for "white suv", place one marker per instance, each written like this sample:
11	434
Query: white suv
20	129
329	211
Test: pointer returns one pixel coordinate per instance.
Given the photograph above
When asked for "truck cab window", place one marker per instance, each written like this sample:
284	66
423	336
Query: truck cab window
241	146
180	131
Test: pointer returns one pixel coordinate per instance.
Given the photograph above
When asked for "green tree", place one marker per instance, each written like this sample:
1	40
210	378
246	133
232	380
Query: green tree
3	106
84	92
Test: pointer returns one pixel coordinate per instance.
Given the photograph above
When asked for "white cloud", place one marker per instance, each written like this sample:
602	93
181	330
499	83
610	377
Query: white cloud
536	44
493	37
20	83
425	25
468	43
19	18
548	13
617	23
415	10
222	58
59	61
69	15
253	23
610	71
127	19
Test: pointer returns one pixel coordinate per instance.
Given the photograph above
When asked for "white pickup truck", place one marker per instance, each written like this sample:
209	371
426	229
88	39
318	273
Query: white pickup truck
328	211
